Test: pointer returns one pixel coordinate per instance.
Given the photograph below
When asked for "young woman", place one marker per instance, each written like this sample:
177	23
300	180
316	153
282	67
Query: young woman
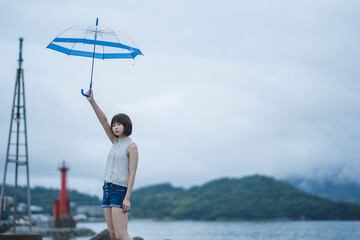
119	172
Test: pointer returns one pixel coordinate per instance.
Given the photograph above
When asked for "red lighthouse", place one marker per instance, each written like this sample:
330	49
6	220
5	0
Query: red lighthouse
64	204
61	208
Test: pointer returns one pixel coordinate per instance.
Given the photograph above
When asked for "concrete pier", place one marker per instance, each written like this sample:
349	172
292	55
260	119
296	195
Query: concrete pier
20	237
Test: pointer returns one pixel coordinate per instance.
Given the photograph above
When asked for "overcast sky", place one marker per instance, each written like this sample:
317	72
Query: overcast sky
224	89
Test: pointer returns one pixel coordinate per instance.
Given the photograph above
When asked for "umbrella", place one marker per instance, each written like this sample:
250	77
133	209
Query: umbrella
94	42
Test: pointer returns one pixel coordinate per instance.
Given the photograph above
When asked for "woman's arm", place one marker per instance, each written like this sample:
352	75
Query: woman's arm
102	118
133	162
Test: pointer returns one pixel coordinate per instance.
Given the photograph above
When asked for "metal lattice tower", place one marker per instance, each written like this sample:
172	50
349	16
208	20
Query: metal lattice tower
17	148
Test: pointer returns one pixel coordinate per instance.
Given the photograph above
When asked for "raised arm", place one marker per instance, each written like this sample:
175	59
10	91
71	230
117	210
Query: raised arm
101	116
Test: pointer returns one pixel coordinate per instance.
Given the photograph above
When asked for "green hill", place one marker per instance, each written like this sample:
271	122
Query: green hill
250	198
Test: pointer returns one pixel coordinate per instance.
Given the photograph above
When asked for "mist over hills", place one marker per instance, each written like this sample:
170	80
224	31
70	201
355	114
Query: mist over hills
249	198
331	189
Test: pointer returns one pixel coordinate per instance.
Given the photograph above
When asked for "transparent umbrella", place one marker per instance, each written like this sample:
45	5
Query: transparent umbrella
94	42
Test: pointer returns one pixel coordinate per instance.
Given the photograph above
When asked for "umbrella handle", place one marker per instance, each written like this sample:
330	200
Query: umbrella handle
85	95
82	92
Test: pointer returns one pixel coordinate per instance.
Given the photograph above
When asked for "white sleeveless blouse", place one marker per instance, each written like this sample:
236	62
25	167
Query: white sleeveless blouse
117	165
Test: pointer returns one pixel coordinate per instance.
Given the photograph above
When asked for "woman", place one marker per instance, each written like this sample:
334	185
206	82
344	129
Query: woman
119	172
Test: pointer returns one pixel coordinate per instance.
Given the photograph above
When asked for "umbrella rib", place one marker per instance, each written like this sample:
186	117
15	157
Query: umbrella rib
121	43
131	40
87	31
75	43
103	47
72	48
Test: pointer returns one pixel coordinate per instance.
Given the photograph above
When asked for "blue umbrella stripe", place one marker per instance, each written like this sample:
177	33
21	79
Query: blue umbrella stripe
90	54
97	42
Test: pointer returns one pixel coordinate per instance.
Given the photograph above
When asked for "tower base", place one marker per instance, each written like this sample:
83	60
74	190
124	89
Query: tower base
62	223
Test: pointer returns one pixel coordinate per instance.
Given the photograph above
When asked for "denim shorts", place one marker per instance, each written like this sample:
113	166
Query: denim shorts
113	195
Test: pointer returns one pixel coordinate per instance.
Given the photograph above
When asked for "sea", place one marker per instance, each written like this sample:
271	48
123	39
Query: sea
239	230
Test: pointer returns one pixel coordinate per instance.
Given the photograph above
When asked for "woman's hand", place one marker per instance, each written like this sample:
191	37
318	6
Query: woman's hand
90	96
126	205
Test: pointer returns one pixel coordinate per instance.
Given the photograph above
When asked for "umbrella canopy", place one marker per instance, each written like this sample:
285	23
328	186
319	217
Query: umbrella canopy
79	41
94	42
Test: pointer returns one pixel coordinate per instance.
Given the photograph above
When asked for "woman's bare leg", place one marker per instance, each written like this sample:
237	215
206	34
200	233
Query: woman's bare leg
119	220
108	218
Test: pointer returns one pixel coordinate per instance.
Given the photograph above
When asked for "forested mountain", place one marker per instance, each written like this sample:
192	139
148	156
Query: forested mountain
250	198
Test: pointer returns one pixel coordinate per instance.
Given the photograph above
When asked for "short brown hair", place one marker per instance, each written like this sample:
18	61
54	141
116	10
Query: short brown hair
125	121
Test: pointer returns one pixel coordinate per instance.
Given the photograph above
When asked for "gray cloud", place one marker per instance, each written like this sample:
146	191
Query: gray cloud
224	89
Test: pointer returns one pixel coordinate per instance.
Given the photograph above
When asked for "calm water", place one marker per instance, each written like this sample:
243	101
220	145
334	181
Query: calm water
189	230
